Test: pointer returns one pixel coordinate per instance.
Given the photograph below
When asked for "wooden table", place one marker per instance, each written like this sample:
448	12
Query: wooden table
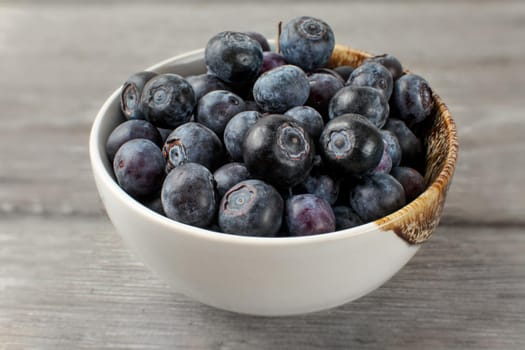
68	282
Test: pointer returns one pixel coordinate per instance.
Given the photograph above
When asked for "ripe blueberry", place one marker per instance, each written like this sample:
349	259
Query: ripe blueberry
251	208
307	214
139	167
390	62
323	87
228	175
216	108
412	99
411	146
188	195
168	100
392	147
351	144
374	75
128	130
307	42
364	100
233	57
195	143
376	196
236	130
411	180
278	150
281	88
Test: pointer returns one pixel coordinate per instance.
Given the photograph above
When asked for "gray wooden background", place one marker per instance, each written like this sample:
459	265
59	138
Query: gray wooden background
68	282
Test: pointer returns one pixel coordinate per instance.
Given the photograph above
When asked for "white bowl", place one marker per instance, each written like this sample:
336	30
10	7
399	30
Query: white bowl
273	276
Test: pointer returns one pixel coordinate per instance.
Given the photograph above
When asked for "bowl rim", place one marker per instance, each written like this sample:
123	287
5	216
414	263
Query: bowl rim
99	171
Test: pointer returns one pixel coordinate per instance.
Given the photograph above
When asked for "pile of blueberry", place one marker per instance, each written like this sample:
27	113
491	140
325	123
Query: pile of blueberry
273	143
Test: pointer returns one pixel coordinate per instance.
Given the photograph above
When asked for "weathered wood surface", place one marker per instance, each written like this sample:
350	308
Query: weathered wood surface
67	281
70	284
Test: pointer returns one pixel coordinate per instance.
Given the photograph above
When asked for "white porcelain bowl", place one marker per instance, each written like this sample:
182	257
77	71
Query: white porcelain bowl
274	276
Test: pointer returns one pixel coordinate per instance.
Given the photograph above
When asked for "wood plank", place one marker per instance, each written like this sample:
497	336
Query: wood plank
71	284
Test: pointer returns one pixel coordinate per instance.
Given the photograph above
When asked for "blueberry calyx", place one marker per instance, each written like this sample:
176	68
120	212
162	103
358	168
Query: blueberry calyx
174	153
292	142
311	28
341	143
131	98
239	199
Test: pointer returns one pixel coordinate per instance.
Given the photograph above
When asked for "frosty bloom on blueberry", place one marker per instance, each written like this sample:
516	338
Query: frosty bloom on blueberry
307	42
233	57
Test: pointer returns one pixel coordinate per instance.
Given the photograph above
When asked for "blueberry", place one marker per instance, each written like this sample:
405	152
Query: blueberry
139	167
281	88
272	60
195	143
204	83
233	57
351	144
251	208
411	180
236	130
323	87
130	96
307	214
346	217
385	164
363	100
216	108
390	62
376	196
261	39
128	130
411	146
278	150
392	147
188	195
309	118
322	186
228	175
168	100
373	75
344	71
412	99
307	42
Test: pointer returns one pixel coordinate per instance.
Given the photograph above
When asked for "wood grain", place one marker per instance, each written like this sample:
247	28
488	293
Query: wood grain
67	281
72	284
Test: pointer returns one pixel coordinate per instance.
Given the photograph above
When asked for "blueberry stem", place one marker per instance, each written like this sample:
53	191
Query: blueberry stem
279	30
